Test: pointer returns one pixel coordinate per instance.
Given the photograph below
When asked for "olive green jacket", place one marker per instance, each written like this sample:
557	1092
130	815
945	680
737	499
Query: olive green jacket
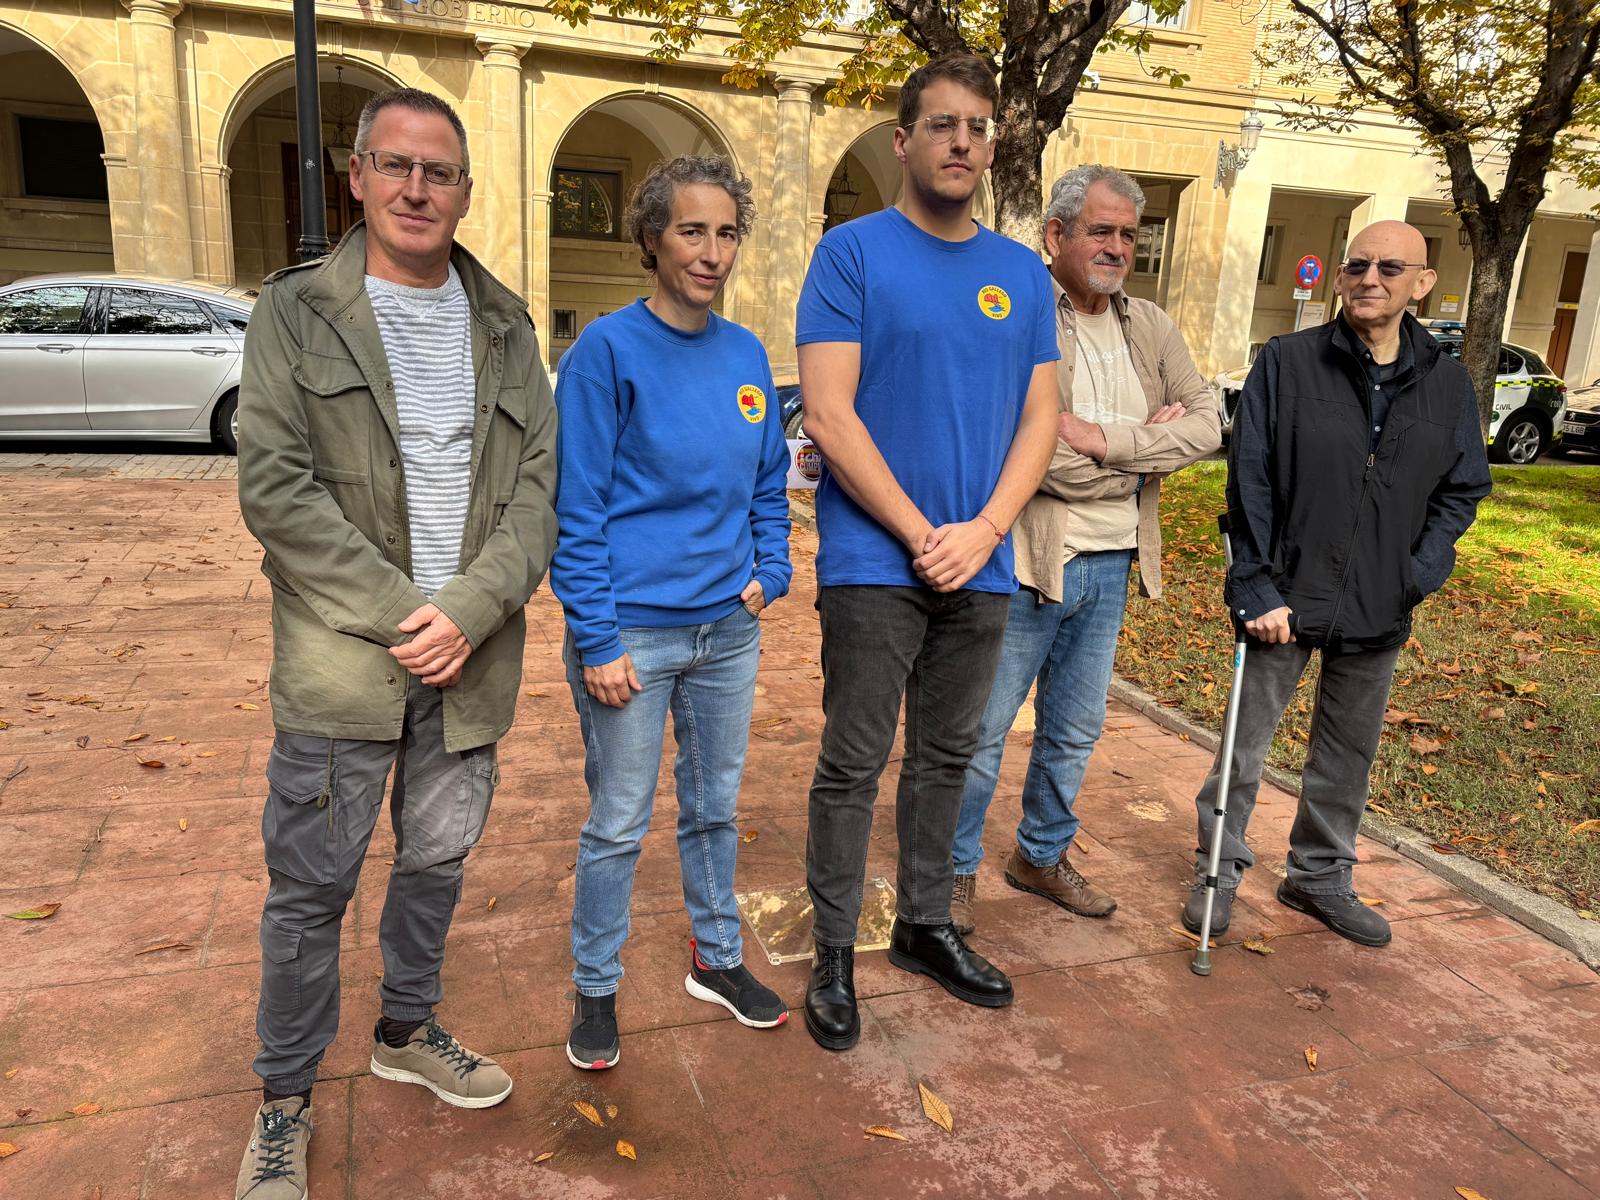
322	487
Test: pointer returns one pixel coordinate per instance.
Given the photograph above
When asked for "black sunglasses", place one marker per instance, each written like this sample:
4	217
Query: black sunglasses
1389	268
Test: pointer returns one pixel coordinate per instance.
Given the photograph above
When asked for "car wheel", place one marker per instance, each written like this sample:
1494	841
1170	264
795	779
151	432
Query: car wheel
225	423
1520	440
792	430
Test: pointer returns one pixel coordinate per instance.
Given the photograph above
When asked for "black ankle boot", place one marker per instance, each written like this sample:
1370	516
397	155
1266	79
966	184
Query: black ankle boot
938	952
831	999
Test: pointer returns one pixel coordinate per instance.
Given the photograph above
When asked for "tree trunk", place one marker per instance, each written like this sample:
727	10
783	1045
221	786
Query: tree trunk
1492	269
1018	165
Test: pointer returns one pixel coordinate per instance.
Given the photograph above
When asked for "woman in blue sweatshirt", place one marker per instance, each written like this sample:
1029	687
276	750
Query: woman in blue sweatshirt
674	537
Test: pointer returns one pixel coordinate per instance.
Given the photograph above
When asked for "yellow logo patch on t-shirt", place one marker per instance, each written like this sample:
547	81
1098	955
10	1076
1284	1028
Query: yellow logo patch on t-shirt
994	302
752	403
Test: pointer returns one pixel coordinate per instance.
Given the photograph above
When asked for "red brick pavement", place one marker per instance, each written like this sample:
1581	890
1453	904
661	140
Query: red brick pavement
1462	1055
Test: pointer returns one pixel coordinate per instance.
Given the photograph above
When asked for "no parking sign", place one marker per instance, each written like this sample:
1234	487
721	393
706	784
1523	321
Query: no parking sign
1308	270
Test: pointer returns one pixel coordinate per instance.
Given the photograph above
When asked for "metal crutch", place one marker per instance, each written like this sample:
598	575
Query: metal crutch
1202	957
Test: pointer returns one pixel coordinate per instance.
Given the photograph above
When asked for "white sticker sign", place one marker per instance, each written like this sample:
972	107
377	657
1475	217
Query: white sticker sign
805	463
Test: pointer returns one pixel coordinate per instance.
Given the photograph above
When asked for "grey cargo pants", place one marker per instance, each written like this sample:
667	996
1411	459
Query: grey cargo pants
323	799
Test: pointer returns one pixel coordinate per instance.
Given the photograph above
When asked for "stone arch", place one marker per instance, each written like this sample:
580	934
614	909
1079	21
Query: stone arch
601	152
58	156
261	186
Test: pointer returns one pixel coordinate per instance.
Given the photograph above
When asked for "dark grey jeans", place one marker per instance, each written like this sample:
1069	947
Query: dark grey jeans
1346	721
938	650
323	799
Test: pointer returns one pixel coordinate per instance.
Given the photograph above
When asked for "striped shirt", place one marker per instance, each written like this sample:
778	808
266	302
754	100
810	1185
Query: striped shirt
427	336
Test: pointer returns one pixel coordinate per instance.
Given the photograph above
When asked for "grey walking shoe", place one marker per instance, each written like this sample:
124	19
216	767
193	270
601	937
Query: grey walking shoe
439	1063
274	1166
1194	910
1341	912
962	897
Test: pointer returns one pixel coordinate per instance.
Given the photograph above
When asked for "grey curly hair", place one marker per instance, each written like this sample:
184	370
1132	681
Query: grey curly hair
1072	189
650	203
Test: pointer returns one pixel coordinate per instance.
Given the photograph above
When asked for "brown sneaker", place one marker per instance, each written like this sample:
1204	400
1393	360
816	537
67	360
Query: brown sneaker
439	1063
274	1166
961	898
1060	884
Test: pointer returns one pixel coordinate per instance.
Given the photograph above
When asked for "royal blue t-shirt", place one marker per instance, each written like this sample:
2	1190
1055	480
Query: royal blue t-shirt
950	333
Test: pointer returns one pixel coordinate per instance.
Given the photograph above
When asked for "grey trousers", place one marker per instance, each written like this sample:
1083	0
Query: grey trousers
1346	721
323	799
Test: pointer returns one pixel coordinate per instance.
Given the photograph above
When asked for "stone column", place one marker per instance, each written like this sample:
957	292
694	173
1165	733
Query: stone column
1236	275
497	162
163	192
1382	206
789	240
1516	286
1583	359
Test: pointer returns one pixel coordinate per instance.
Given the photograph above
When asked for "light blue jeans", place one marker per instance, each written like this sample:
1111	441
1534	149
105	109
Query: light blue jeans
1069	648
705	675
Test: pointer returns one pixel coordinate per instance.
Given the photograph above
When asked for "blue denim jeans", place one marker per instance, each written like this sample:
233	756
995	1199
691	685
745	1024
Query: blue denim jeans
705	675
1069	648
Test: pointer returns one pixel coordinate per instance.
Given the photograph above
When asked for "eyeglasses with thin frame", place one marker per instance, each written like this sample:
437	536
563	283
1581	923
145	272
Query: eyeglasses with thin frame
942	127
434	170
1389	268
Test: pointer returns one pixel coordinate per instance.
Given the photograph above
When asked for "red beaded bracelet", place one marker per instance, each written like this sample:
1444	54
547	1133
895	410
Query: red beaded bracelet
999	534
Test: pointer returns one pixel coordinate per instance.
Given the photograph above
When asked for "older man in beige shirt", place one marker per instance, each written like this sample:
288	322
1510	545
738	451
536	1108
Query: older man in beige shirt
1133	409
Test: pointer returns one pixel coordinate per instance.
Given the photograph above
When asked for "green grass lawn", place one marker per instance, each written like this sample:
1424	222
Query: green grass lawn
1488	743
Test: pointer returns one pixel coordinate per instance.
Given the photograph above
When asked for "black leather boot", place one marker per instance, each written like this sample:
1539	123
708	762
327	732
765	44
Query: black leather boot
938	952
831	1014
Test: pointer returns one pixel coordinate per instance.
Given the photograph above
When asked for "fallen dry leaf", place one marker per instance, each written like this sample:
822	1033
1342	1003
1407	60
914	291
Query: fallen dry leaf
1429	769
935	1109
85	1109
1491	712
1311	997
489	907
1395	716
1467	1193
883	1131
1422	745
589	1113
1193	937
247	706
611	1112
1590	826
7	1149
135	737
1370	901
749	835
171	737
12	1074
1441	848
625	1150
163	946
155	764
546	1156
81	743
536	696
1258	944
1311	1058
183	824
207	754
38	912
23	1113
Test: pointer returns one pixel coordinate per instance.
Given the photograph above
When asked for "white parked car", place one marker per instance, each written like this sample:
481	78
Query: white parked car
121	357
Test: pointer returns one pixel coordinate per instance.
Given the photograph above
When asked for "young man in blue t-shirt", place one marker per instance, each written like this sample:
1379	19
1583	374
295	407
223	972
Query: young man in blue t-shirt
926	348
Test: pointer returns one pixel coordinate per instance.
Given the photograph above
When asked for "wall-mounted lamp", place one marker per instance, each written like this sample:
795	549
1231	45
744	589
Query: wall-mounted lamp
1232	159
1463	238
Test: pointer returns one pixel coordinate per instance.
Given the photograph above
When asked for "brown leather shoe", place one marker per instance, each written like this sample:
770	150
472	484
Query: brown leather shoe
961	898
1060	884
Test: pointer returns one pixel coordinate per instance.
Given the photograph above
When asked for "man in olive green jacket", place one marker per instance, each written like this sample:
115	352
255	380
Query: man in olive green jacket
396	461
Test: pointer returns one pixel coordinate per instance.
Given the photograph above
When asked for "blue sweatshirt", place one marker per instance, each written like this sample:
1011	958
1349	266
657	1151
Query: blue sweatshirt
673	469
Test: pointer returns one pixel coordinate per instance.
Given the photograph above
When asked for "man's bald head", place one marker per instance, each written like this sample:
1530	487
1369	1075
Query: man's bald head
1374	301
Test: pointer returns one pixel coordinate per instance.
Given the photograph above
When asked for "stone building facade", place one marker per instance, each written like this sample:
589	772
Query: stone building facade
157	136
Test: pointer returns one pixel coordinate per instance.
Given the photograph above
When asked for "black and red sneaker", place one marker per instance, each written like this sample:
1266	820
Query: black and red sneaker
593	1044
751	1002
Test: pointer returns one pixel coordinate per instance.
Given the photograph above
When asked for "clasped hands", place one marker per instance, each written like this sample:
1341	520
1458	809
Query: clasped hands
437	651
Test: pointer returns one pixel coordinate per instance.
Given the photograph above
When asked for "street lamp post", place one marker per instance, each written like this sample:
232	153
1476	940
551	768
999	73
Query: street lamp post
308	117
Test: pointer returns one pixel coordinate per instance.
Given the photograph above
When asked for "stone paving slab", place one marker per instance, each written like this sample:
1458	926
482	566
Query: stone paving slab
134	629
